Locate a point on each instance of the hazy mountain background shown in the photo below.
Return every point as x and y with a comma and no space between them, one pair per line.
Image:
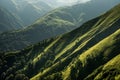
26,11
30,10
8,21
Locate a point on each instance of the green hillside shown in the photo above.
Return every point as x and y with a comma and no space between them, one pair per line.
8,21
56,22
17,40
110,70
90,52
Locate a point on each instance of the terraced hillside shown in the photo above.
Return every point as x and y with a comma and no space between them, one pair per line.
88,52
8,21
54,23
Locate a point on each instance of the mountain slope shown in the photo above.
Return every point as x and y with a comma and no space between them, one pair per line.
54,23
82,12
103,27
8,21
110,70
22,38
83,53
27,12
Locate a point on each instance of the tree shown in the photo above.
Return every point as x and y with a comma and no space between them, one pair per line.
10,77
21,77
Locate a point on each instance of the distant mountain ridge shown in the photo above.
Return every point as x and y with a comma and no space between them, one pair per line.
8,21
26,11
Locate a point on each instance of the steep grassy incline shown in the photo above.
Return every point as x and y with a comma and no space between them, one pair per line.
80,67
54,23
8,21
83,53
110,70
